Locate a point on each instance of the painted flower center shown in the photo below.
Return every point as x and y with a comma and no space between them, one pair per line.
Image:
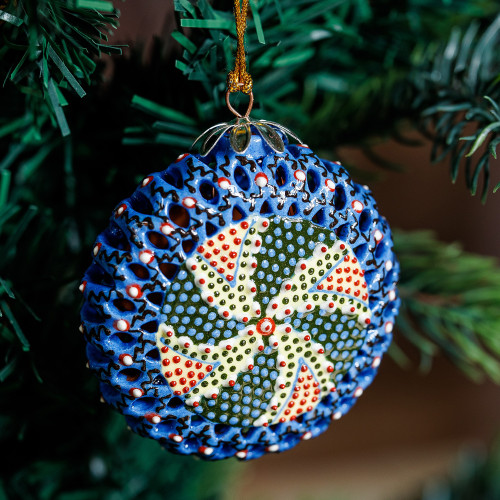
266,326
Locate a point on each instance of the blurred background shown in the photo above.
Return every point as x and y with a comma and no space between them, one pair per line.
420,429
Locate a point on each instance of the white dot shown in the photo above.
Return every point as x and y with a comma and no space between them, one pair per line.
121,325
241,454
273,448
261,180
388,265
307,435
208,450
133,291
137,393
156,419
358,392
357,206
378,235
167,229
388,327
300,176
189,202
96,249
337,415
81,287
376,362
330,184
81,328
127,360
146,256
392,295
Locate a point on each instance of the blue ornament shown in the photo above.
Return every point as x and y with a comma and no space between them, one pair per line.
241,300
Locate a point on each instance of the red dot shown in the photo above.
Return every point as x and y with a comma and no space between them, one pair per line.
226,246
207,350
291,404
230,277
182,381
221,270
209,368
164,349
232,255
303,266
329,369
323,249
320,287
190,374
231,383
225,314
340,280
309,408
200,376
196,404
299,410
303,368
309,307
265,223
176,359
166,362
173,383
282,363
210,299
275,306
214,396
200,249
177,393
339,289
192,383
287,311
250,367
237,241
258,243
244,225
295,395
367,321
288,286
282,386
331,304
185,390
346,258
216,251
178,371
317,391
229,347
221,237
198,365
232,231
245,319
168,374
288,329
230,265
342,246
261,348
210,243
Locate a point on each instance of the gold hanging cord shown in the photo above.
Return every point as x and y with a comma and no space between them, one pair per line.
239,80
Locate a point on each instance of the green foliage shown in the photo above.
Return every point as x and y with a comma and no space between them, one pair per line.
449,90
475,475
449,303
48,49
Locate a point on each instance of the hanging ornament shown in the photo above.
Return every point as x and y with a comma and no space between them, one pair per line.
242,298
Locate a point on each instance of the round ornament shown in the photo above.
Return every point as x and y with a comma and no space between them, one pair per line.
241,300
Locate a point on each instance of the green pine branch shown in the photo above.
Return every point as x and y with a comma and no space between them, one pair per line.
450,303
457,93
49,51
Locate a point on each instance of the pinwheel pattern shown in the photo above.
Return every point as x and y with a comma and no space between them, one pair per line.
260,279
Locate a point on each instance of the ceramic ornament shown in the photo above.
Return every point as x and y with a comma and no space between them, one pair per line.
237,303
242,298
